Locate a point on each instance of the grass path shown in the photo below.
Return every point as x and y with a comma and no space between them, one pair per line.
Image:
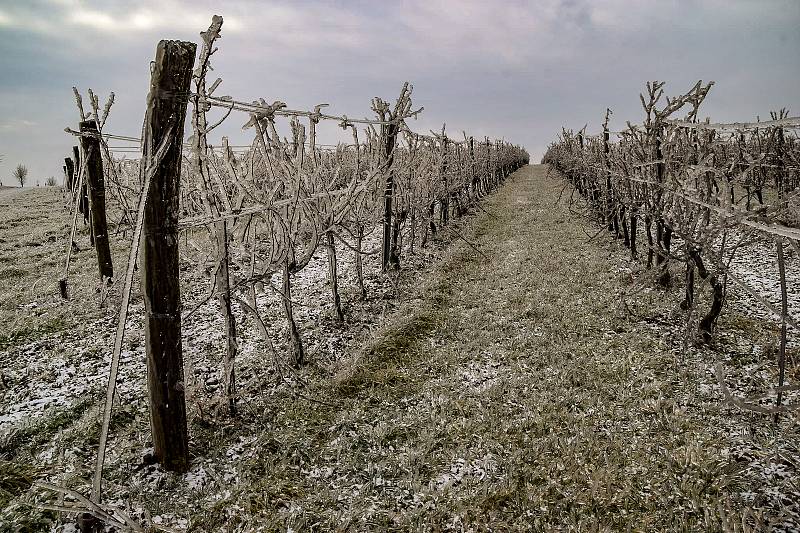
510,393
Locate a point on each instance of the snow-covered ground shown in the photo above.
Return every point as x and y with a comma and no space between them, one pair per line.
59,369
757,266
68,370
62,370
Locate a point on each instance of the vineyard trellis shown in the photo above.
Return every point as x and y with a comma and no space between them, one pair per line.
711,188
247,213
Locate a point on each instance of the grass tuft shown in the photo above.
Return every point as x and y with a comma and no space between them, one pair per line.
383,362
41,430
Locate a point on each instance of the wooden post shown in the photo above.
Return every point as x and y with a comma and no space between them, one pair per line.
582,180
782,175
69,172
97,198
444,202
390,137
488,183
473,170
663,230
613,226
454,195
164,123
784,314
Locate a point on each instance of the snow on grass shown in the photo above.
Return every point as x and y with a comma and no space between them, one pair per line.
488,410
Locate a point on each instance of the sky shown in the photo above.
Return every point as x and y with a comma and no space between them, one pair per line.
507,69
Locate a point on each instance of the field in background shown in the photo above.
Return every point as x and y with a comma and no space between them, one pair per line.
34,231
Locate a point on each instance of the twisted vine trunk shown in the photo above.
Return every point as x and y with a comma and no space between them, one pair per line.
394,249
333,278
663,231
223,289
625,236
688,300
360,262
718,296
666,243
431,225
211,201
296,353
412,230
648,226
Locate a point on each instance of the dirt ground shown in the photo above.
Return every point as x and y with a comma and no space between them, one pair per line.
524,380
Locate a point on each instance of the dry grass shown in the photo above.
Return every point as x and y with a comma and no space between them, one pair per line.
509,391
511,394
34,231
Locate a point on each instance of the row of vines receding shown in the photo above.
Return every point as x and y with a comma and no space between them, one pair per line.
240,215
704,192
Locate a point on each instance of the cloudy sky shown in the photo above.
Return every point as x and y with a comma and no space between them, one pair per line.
512,69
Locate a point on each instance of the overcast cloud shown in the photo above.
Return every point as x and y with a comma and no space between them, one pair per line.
518,70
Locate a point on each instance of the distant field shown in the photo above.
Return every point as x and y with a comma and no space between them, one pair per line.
34,230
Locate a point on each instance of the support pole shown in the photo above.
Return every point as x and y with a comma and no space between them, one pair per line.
390,137
97,198
166,114
69,173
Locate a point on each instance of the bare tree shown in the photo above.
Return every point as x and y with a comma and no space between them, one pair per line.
21,174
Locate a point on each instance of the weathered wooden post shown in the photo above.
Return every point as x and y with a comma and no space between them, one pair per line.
581,178
663,229
69,173
473,169
782,175
498,167
444,202
97,197
412,150
610,209
164,123
454,195
390,131
488,183
784,314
